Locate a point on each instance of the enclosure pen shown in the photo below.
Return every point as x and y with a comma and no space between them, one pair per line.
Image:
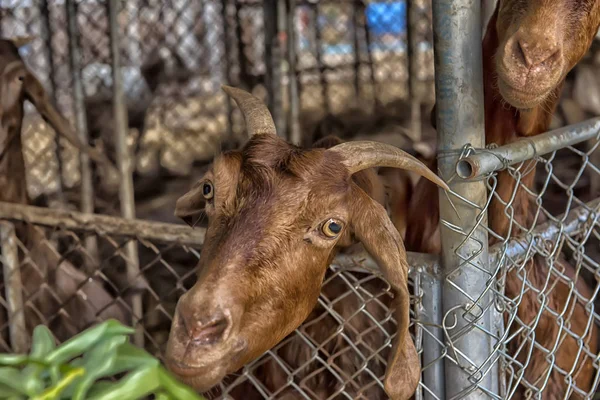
495,315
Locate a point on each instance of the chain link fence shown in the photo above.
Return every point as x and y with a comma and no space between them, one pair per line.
348,62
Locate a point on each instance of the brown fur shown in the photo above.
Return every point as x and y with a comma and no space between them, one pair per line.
528,113
265,255
56,293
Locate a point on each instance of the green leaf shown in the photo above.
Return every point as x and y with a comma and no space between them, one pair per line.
135,385
13,359
8,392
78,344
131,357
11,377
99,362
42,344
177,389
163,396
54,392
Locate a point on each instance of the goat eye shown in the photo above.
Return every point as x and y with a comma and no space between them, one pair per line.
331,228
207,190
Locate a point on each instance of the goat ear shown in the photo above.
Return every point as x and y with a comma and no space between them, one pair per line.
36,94
372,226
190,205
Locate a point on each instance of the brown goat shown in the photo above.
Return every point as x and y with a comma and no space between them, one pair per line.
50,283
277,215
528,49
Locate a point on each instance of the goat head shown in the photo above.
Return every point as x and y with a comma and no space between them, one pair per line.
277,214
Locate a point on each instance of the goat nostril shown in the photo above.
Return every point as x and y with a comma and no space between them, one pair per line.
210,332
521,54
533,54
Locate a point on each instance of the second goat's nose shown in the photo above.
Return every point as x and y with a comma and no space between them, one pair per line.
537,52
208,330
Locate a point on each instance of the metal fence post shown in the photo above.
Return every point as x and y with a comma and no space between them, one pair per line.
87,187
126,166
470,369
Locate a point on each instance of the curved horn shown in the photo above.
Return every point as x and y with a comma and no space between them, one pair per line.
256,114
361,155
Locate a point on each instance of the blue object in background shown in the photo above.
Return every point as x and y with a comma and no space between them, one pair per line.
387,18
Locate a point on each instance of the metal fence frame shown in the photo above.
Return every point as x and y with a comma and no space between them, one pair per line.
457,319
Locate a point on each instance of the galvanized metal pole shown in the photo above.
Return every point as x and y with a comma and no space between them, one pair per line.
125,163
491,160
431,318
469,369
87,189
13,286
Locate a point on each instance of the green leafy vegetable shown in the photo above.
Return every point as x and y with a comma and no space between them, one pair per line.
85,368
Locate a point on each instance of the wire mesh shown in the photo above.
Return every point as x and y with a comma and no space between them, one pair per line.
352,324
543,281
349,56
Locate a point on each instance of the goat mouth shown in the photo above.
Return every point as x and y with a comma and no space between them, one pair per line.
184,370
519,98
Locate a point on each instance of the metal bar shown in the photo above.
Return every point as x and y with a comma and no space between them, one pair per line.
321,68
370,61
490,160
295,132
594,147
356,40
270,27
45,14
159,232
414,98
279,62
470,371
19,339
87,188
227,62
548,231
125,166
242,59
433,349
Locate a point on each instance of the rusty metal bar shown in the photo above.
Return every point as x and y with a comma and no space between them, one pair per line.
87,188
294,112
125,164
159,232
490,160
19,339
227,61
471,370
321,68
414,98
